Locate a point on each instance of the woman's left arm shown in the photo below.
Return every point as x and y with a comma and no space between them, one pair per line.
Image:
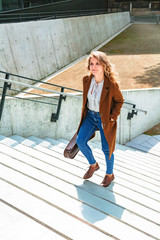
117,103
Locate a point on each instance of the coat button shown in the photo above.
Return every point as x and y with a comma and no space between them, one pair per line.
104,124
101,114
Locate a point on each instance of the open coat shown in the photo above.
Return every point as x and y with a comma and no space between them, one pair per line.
110,105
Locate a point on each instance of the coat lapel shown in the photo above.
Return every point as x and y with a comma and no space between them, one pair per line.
104,90
87,83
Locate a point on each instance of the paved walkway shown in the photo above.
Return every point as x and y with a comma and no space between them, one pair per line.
150,144
135,54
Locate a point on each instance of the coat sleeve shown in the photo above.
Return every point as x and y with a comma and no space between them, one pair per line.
117,102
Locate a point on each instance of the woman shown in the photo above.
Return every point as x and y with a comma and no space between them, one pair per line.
102,102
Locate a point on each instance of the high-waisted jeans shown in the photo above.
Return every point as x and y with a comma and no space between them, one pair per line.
90,124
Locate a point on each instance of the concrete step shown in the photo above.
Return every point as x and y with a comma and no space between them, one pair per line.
39,183
146,143
122,164
59,150
15,225
126,177
123,177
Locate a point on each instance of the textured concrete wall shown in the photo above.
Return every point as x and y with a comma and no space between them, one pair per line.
38,49
145,99
28,118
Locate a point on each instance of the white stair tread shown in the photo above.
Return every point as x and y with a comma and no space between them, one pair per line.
71,179
15,225
70,190
154,191
70,205
38,183
22,150
46,213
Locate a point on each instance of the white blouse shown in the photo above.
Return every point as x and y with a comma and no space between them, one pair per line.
94,95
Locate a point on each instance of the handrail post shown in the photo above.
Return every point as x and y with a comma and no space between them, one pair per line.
157,19
20,18
130,115
55,116
5,86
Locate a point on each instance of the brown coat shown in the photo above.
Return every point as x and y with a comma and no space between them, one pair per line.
110,105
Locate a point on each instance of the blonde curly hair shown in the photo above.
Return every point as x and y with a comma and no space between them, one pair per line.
108,67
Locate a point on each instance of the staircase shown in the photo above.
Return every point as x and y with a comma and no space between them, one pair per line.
44,197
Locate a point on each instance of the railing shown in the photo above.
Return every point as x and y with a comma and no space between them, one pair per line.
21,17
22,4
140,4
146,19
133,110
129,5
157,19
62,95
118,6
7,87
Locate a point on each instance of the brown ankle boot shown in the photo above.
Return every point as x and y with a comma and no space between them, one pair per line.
91,170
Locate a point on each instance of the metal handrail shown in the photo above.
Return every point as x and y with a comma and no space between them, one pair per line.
64,94
31,100
37,6
37,81
7,85
49,15
39,88
61,94
134,108
29,93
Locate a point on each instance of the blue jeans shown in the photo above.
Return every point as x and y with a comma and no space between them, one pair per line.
90,124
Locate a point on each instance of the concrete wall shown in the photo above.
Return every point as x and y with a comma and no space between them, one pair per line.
27,118
38,49
145,99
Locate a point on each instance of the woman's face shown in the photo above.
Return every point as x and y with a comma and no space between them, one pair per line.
95,67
